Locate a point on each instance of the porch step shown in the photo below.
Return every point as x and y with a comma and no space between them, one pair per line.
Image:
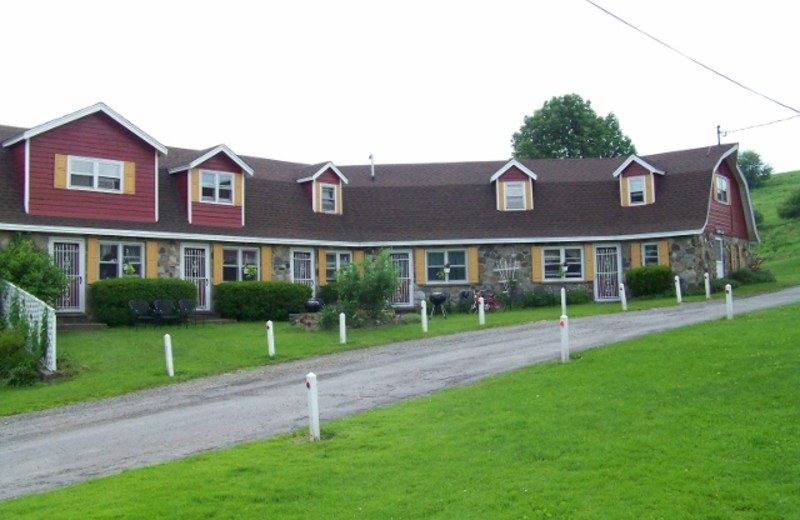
66,322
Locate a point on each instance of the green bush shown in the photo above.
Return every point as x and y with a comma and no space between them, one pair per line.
368,285
17,364
253,301
718,284
790,207
329,316
329,293
649,280
109,298
746,276
25,265
578,296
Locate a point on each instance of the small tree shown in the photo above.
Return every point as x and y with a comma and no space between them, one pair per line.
368,285
753,169
790,207
29,267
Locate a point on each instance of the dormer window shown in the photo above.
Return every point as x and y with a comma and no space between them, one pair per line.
216,187
722,189
636,190
328,198
514,196
95,174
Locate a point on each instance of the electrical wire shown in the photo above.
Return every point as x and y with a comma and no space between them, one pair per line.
606,11
724,133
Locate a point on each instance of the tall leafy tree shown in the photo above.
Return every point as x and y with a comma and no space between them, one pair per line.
567,127
26,265
754,170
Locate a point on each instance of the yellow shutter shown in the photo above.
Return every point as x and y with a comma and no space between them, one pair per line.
358,255
649,194
472,265
217,263
501,196
588,262
663,252
317,196
623,191
129,178
238,188
194,184
266,263
731,252
536,264
323,279
529,195
339,199
92,261
419,266
60,173
151,254
636,254
741,257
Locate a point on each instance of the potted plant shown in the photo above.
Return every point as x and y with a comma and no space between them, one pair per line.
249,272
446,269
128,270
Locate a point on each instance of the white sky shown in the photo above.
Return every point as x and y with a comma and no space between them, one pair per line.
410,81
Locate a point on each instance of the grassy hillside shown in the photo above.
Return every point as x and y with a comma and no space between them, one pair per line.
780,239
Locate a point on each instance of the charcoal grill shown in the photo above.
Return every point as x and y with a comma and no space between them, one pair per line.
438,299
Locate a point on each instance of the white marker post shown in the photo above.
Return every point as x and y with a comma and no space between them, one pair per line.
313,406
270,340
707,281
563,301
678,288
424,313
564,324
623,297
481,312
342,329
729,300
168,354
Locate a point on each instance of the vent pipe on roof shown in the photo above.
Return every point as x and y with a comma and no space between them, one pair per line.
372,167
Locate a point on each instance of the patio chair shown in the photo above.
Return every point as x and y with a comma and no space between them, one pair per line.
165,312
187,310
140,312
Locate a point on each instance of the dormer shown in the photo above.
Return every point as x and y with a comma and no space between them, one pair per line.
324,188
212,187
514,187
637,185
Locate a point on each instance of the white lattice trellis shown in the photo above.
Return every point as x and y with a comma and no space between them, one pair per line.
35,310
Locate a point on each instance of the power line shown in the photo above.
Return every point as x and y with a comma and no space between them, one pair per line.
694,60
726,132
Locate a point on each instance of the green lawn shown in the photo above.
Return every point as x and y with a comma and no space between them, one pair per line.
700,422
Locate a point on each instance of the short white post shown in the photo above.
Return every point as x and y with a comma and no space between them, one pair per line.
481,312
270,340
678,288
707,281
342,329
729,300
564,324
168,354
563,300
313,406
424,313
623,297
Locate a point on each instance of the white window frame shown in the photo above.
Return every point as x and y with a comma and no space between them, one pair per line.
722,189
95,174
323,200
296,276
549,254
240,264
213,180
647,259
636,189
514,202
339,260
121,259
431,268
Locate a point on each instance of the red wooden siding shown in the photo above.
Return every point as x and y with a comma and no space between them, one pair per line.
513,175
728,217
181,183
96,136
328,177
19,162
220,163
635,169
204,214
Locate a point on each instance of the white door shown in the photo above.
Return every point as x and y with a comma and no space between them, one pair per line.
69,255
403,294
195,268
606,273
719,257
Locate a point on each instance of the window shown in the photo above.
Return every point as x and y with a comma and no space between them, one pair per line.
514,193
722,189
239,264
94,174
303,268
439,261
333,262
650,254
328,198
118,259
636,190
216,187
563,263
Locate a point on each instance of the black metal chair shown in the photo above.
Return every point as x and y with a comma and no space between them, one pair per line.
140,312
187,310
165,312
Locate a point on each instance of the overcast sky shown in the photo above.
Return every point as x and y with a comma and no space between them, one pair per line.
409,81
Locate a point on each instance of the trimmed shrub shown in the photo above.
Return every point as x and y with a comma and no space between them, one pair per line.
253,301
746,276
17,364
649,280
578,296
329,293
110,297
718,284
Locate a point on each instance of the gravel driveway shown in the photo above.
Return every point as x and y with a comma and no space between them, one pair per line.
46,450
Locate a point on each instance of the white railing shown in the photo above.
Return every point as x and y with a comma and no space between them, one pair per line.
34,310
